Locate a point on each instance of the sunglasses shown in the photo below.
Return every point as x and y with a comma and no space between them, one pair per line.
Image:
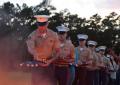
91,45
41,23
102,50
81,39
61,33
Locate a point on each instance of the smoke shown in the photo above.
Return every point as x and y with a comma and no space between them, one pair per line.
15,78
13,51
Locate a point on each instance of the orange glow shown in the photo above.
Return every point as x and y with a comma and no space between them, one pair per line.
15,78
42,28
41,19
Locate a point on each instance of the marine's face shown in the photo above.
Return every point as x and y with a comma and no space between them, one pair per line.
102,52
91,46
62,36
82,42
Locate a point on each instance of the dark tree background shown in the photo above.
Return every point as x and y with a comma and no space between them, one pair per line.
17,22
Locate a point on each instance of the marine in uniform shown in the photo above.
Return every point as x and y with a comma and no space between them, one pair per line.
43,44
64,71
104,66
112,68
83,59
93,72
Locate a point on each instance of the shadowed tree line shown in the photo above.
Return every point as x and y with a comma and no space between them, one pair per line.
17,22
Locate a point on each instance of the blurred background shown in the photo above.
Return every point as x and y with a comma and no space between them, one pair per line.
99,19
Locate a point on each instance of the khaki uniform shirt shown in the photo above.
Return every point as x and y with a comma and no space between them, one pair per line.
95,61
66,54
43,48
84,55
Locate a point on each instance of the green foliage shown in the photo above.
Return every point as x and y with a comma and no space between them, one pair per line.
18,20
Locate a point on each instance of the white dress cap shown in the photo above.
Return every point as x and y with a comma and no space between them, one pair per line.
42,18
102,47
82,36
62,29
90,42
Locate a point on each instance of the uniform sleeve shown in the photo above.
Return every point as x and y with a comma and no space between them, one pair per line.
31,43
56,46
99,58
72,52
90,56
76,55
107,62
89,59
